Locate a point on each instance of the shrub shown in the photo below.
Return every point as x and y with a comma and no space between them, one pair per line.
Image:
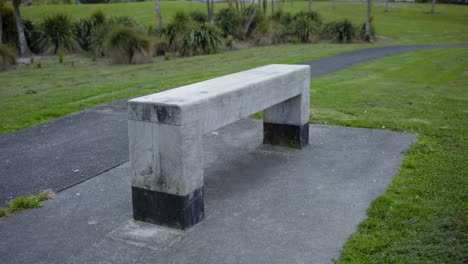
85,28
203,39
305,24
226,20
100,32
161,46
10,32
270,32
284,18
198,16
8,55
56,33
31,33
181,23
126,44
343,31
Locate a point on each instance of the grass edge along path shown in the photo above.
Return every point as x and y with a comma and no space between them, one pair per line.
23,203
421,218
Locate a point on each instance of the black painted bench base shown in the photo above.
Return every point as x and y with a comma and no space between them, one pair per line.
166,209
286,135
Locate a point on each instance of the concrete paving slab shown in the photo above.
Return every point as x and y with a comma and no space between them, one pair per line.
263,204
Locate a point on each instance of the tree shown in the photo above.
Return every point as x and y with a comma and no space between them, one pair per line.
368,34
433,7
157,9
1,25
23,44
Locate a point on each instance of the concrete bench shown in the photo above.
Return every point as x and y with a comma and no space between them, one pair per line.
165,131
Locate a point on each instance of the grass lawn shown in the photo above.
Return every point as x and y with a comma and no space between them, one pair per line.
406,23
422,216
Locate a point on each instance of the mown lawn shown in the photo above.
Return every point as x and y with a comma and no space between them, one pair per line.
422,217
406,23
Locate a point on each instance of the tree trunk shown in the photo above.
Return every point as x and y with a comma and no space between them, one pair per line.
1,25
433,7
209,6
23,45
252,16
310,5
157,9
265,6
272,7
237,6
368,21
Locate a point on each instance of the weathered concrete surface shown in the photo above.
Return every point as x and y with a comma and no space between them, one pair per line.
166,128
263,204
223,100
95,140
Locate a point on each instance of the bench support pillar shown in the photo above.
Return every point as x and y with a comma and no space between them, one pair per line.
287,123
166,164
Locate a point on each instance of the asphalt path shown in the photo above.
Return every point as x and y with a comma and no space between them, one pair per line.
69,150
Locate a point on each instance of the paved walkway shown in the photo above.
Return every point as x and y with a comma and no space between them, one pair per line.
263,204
66,151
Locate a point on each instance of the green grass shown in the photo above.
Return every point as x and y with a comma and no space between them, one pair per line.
22,203
404,24
422,216
31,95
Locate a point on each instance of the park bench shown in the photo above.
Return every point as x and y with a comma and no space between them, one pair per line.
165,134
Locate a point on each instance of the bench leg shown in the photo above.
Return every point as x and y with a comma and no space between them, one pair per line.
287,123
166,164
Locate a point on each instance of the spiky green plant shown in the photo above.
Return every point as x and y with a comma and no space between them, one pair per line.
343,31
180,24
56,33
100,32
226,20
203,39
305,24
124,44
10,32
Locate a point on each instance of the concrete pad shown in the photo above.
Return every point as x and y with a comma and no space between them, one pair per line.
263,204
